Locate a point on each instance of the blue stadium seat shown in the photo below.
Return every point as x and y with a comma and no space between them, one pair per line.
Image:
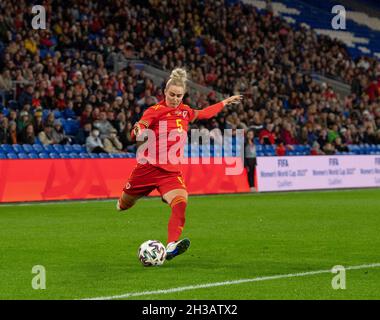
38,148
93,155
53,155
73,155
3,156
43,155
68,148
116,155
84,155
23,155
17,148
58,148
64,155
28,148
104,155
12,155
48,148
33,155
78,148
7,148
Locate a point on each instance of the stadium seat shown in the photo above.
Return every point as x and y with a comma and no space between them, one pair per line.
43,155
33,155
68,148
3,155
104,155
17,148
118,155
23,155
28,148
58,148
78,148
48,148
12,155
38,148
64,155
84,155
73,155
94,155
53,155
6,148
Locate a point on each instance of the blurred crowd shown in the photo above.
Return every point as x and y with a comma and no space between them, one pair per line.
67,72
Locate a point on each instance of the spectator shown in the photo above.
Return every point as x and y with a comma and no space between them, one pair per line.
58,133
103,125
26,96
329,149
4,131
28,136
316,150
266,135
250,159
112,144
340,146
46,136
83,133
94,143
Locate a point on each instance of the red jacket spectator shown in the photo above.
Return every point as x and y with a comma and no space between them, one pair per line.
266,135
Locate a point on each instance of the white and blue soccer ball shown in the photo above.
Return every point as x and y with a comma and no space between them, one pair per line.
152,253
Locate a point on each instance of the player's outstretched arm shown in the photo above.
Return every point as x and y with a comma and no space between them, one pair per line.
213,110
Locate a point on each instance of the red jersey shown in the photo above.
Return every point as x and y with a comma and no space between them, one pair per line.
169,126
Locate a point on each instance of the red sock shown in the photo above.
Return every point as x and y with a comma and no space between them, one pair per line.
177,219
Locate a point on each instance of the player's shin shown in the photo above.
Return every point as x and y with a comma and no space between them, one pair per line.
125,202
177,218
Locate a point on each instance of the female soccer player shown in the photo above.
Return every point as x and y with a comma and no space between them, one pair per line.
164,175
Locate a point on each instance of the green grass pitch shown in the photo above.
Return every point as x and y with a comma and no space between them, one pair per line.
89,250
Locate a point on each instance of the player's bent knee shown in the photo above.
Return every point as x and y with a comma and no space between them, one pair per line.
171,195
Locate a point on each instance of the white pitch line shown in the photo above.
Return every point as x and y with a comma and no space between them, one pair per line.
227,283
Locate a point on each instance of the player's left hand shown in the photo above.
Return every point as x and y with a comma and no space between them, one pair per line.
233,100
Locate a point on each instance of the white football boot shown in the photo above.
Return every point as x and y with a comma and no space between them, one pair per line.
176,248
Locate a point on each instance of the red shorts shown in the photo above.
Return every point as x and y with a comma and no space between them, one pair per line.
146,177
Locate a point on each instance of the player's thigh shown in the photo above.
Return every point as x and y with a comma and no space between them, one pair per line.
169,196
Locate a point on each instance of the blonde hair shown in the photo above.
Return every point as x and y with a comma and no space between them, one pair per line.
178,77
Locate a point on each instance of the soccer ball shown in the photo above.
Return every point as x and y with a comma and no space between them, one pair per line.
152,253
